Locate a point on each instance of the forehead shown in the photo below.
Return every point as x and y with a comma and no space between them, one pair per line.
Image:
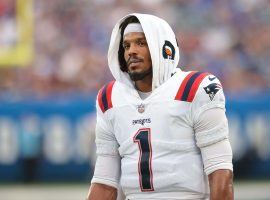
133,36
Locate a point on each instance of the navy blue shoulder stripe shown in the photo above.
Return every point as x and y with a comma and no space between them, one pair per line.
105,97
189,86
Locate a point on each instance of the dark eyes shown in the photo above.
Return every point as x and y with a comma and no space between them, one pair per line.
126,46
139,43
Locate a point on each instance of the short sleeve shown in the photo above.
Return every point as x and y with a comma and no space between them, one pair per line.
107,168
208,113
209,95
105,139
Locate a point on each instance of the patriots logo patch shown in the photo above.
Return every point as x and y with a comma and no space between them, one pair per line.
212,89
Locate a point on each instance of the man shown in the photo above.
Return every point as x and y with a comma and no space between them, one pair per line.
161,133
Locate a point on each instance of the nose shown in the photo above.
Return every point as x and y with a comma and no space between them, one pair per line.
133,50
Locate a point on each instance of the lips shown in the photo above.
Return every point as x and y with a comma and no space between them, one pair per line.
134,61
133,65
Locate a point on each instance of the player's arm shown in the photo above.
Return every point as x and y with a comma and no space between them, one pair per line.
221,184
212,138
211,132
99,191
105,180
106,176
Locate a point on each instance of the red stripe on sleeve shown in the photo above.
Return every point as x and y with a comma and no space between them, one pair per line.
195,86
109,94
182,86
100,99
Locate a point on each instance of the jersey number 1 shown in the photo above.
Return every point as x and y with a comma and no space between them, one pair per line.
143,139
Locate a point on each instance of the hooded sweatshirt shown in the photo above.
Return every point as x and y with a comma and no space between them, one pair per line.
159,36
152,146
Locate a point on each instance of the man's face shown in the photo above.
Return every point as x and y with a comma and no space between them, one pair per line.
137,56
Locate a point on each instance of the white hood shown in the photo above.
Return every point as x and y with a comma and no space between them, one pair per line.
156,31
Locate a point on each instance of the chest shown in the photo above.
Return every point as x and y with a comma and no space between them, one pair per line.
165,119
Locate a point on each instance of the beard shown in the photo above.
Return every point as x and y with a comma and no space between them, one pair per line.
137,76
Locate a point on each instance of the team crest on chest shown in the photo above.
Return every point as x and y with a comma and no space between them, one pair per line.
141,108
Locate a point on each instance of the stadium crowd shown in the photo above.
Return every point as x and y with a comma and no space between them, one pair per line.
227,38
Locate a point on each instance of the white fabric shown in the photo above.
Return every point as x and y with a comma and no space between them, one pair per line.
178,166
144,95
208,115
172,141
217,156
167,196
133,28
202,101
156,31
211,127
173,127
107,171
211,130
105,138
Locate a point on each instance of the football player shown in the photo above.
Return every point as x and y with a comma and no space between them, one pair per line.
161,133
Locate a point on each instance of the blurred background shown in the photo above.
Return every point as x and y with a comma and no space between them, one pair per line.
53,61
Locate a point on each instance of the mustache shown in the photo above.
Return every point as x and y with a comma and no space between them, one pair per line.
133,59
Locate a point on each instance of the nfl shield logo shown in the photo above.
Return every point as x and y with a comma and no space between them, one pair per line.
141,108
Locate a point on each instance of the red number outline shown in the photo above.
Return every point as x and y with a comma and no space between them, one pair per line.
148,130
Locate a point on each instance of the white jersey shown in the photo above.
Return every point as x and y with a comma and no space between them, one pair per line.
155,137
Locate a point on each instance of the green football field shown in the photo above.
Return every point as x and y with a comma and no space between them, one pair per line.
243,190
